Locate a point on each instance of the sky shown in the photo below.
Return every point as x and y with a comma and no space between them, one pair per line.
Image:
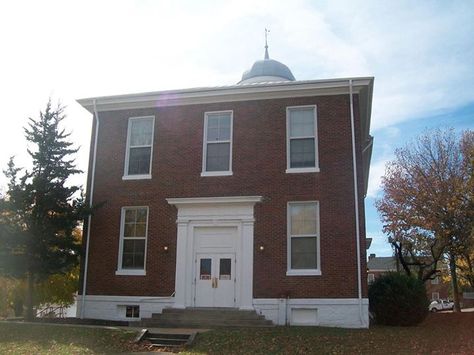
420,53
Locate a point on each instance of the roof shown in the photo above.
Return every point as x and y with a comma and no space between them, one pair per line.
382,263
267,68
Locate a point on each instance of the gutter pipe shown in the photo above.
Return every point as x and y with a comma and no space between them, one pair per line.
89,218
356,208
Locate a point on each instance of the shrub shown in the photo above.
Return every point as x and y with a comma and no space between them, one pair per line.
397,299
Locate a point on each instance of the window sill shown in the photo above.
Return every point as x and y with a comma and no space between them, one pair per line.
302,170
216,173
131,272
303,273
136,177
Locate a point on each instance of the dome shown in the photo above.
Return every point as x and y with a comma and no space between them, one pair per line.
267,70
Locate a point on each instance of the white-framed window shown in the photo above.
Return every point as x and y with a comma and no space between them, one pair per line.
132,311
435,281
303,238
370,278
133,237
301,139
435,296
138,156
217,144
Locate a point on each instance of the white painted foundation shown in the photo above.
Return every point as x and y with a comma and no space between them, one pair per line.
113,307
328,312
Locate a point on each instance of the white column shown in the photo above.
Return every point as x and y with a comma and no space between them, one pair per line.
180,278
246,265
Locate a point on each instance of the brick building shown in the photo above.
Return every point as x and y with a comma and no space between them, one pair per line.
248,196
378,265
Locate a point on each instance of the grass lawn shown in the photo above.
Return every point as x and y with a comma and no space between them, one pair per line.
17,338
442,333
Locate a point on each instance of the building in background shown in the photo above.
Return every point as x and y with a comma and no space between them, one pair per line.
378,265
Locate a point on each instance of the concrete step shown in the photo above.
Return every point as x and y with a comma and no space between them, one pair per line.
182,316
212,323
206,317
167,339
204,310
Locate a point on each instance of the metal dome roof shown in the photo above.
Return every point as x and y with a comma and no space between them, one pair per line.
267,70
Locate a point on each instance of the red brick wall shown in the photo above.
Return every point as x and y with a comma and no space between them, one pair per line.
259,163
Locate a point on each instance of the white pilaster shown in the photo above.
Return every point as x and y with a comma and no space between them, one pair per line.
246,265
180,278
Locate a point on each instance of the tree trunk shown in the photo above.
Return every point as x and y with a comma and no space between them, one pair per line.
454,280
29,297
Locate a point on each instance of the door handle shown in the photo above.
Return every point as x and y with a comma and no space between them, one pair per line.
214,282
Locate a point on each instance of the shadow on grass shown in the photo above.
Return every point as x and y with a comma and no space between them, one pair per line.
20,338
440,334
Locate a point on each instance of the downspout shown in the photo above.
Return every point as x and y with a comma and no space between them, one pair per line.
356,207
89,218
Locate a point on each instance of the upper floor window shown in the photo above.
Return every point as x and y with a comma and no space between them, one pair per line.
133,236
302,142
370,278
139,148
217,144
303,238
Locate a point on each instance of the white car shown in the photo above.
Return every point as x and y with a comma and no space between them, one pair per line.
441,305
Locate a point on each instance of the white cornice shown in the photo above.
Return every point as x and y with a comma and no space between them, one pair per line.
213,200
246,92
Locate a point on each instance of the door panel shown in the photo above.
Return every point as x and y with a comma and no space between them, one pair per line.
215,280
204,290
224,292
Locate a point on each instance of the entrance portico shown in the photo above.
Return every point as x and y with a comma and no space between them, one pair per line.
214,251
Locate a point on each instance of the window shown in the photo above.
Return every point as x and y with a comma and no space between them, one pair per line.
133,234
435,281
205,269
370,278
217,144
132,311
139,148
303,238
225,267
301,145
435,296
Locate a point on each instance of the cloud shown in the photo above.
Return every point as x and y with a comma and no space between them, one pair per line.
421,54
379,245
377,170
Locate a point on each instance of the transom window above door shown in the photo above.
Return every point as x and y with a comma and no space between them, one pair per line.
217,144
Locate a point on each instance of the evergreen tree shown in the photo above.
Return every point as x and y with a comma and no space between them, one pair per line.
40,211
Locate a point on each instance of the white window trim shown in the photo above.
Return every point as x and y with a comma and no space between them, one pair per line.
204,145
131,272
435,281
126,176
289,169
302,272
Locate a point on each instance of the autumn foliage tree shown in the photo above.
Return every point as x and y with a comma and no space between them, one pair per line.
40,209
427,203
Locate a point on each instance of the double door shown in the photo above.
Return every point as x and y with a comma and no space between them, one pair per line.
215,280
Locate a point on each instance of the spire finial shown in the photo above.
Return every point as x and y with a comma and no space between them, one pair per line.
266,44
